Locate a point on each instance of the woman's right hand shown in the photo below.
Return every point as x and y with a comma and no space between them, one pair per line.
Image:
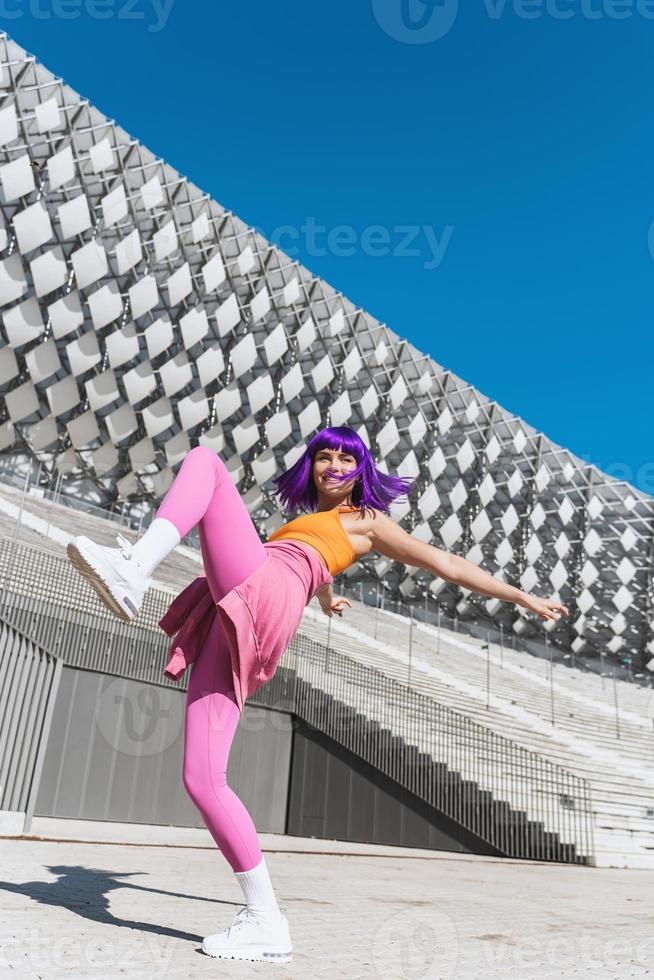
335,605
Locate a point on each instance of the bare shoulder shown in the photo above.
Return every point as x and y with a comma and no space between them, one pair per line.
390,539
382,524
367,520
374,519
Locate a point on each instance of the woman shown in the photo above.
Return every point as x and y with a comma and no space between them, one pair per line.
235,621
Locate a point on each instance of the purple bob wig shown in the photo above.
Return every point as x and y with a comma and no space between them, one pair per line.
296,488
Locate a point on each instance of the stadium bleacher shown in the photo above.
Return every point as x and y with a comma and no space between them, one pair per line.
451,668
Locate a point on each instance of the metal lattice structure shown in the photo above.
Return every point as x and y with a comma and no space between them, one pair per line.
139,318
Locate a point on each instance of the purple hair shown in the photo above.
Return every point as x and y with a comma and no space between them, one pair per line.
296,489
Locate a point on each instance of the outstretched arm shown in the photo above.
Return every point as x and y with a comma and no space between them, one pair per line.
393,541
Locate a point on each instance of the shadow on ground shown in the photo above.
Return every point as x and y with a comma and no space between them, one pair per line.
85,891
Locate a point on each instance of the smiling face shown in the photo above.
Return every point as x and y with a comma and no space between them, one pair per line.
329,463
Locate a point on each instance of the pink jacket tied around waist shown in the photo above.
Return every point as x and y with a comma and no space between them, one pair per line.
259,616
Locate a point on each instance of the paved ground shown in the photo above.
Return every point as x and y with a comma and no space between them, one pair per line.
109,910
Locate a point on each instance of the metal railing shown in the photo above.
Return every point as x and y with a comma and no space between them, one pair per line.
42,595
429,612
425,609
607,716
519,802
30,486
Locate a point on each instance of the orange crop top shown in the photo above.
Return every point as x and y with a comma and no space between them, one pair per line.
324,531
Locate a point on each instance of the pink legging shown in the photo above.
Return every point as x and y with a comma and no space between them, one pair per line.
204,493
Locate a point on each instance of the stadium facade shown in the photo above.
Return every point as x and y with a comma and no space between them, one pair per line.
139,318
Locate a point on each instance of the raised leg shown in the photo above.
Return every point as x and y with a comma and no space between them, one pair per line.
204,493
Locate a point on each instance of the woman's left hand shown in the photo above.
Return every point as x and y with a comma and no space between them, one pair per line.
545,608
335,606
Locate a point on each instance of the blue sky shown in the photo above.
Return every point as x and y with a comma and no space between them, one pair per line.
492,165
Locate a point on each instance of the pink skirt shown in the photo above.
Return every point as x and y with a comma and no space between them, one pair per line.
262,614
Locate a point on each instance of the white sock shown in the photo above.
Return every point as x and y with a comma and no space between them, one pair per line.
157,542
258,891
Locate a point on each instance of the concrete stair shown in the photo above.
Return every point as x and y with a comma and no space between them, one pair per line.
620,772
518,827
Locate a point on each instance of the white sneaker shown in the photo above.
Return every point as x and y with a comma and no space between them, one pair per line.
250,937
114,573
